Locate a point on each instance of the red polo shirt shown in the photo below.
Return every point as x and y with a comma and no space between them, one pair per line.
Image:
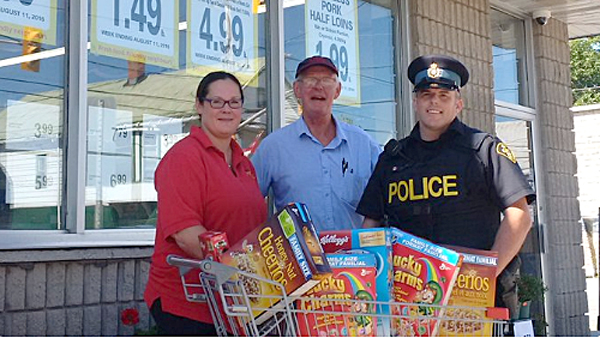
195,186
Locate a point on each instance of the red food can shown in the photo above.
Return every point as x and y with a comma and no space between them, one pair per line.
213,244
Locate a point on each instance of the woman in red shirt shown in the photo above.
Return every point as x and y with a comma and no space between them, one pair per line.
204,182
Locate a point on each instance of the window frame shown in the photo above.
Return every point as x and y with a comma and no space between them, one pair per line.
72,204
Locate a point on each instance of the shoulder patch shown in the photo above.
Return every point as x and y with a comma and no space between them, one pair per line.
503,150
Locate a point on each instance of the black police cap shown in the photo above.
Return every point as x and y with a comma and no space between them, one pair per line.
437,71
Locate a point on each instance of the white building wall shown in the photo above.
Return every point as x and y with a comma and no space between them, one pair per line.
587,145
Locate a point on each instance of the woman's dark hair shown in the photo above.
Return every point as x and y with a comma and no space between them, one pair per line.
212,77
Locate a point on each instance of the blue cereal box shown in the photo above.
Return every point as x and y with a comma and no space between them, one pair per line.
346,297
376,241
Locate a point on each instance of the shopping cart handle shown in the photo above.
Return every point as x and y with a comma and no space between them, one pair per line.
221,271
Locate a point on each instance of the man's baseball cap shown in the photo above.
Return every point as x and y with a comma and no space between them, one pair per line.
437,71
316,61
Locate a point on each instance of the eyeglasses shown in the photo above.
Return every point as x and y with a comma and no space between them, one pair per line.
327,82
218,103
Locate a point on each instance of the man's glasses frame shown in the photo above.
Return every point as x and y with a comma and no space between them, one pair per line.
327,82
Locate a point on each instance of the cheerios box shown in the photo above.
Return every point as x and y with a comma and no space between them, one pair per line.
285,250
475,287
350,289
376,241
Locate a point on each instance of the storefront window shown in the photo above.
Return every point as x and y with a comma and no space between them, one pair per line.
145,62
359,37
510,62
32,88
517,134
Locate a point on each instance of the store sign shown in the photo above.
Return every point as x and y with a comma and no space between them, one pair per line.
137,30
34,178
32,126
222,35
110,146
15,15
332,31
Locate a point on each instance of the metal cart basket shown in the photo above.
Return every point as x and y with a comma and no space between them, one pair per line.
228,292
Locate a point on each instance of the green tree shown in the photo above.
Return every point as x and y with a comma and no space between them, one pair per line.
585,70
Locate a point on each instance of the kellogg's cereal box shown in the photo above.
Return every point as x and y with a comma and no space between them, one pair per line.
475,287
376,241
348,289
424,273
277,250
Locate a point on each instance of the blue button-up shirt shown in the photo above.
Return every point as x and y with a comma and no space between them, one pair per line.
329,179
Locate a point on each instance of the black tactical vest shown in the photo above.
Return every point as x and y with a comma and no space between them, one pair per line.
443,192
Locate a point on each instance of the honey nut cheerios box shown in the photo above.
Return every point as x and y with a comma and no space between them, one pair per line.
284,249
424,275
475,287
350,289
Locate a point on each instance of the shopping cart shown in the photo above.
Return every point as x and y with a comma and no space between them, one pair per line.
226,291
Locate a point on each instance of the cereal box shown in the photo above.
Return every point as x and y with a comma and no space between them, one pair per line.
475,287
278,251
424,273
376,241
348,289
213,244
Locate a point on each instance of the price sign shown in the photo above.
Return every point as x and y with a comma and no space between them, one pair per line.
42,179
34,178
332,31
222,35
32,126
109,131
111,176
137,30
15,15
168,140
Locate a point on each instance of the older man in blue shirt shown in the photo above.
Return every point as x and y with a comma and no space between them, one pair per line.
318,160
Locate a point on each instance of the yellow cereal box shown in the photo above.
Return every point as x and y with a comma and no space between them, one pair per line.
284,249
475,287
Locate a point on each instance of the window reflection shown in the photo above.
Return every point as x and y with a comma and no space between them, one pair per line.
360,40
32,85
141,100
509,59
516,134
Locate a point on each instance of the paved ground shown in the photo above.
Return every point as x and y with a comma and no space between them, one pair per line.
593,285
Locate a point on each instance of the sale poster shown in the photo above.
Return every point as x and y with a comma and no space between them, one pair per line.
332,31
137,30
222,35
16,15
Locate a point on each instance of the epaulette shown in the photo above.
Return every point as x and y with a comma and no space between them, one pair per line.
475,140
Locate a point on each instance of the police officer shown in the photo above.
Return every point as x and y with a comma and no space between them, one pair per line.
448,182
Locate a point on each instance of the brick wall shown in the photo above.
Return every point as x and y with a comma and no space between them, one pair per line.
564,251
460,29
72,292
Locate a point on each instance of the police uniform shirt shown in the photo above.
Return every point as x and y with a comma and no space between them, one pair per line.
450,191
